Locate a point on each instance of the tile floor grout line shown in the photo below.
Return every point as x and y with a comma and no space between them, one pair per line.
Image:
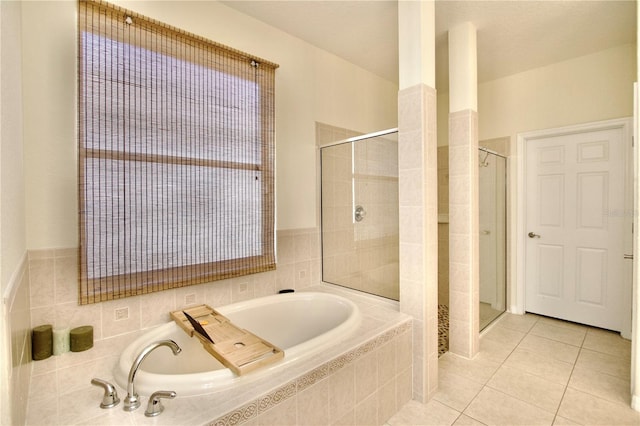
597,350
573,367
484,385
522,400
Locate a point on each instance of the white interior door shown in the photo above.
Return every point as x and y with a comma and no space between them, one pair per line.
575,203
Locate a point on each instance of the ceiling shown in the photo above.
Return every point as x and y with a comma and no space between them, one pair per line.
513,36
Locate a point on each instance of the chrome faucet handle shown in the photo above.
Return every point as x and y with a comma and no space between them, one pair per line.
155,407
110,398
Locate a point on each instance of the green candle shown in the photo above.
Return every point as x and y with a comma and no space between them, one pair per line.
42,342
81,338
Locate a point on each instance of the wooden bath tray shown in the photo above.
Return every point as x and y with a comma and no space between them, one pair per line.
236,348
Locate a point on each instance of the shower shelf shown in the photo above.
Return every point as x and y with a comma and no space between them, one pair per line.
237,349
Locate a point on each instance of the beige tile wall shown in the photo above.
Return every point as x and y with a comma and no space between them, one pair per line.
18,324
53,299
365,386
417,161
54,288
463,234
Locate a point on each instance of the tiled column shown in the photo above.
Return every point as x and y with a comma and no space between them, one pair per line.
463,193
418,186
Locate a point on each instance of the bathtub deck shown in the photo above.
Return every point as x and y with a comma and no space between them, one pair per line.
364,379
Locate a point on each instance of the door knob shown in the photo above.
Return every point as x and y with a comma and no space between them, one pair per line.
533,235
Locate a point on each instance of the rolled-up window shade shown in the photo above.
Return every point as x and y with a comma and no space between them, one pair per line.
176,157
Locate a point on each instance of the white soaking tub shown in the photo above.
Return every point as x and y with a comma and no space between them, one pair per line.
301,324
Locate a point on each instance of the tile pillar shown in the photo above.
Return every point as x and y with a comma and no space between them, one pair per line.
418,186
463,193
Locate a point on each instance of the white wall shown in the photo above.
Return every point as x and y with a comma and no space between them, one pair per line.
311,85
12,202
584,89
12,205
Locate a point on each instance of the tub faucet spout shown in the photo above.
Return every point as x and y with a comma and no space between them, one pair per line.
131,402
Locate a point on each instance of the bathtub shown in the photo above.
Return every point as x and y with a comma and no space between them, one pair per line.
301,324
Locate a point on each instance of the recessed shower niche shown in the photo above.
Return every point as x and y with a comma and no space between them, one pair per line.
359,204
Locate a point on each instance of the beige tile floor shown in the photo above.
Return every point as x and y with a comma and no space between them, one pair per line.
532,370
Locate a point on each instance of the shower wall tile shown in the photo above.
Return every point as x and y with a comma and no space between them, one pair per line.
360,255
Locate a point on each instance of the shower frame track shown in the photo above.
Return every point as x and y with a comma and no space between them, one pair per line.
361,137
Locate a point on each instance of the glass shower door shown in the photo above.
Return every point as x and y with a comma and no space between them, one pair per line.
492,239
360,233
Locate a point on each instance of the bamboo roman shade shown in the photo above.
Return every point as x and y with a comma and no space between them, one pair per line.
176,157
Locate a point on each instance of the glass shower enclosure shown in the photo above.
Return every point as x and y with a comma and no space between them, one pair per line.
359,208
493,235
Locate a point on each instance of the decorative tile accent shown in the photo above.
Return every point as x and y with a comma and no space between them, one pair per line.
276,397
340,362
407,326
381,340
238,416
311,378
365,349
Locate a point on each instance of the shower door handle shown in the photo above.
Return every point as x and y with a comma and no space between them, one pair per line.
533,235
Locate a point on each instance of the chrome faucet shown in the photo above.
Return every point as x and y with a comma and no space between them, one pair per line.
131,401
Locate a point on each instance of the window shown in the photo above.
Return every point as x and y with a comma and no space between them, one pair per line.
176,157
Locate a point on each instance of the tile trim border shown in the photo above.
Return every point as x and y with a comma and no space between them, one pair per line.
269,400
